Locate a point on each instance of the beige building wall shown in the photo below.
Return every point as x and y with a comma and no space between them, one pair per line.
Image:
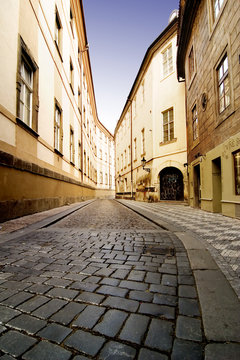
214,172
140,130
38,172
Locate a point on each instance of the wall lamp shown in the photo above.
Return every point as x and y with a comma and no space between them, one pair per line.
143,161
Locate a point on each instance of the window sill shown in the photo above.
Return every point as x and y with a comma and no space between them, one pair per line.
58,152
27,128
59,51
167,142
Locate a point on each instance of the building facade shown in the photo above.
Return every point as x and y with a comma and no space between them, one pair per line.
208,60
49,127
152,128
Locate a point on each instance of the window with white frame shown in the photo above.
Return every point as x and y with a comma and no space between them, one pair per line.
26,94
129,154
71,76
167,58
79,156
71,145
168,125
217,5
191,64
223,84
58,128
195,126
58,33
135,149
142,141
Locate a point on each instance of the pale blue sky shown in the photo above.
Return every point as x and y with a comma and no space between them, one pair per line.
119,33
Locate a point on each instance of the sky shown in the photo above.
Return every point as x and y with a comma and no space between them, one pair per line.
119,33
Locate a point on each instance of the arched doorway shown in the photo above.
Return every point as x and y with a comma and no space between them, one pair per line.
171,184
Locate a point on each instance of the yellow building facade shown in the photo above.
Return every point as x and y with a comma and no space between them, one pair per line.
49,127
208,60
152,128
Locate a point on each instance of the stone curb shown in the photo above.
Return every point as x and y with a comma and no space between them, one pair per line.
49,220
219,304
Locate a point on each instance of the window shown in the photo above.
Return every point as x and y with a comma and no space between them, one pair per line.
236,157
217,7
71,76
84,162
110,180
88,167
167,61
105,156
195,123
79,156
121,161
223,84
27,88
79,101
58,33
143,141
100,154
135,149
106,178
58,128
125,158
71,146
101,177
26,93
72,22
191,65
84,116
129,154
168,125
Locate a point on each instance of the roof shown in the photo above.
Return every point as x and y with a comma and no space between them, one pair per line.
170,28
187,13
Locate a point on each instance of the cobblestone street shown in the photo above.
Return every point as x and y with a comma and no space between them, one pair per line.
105,283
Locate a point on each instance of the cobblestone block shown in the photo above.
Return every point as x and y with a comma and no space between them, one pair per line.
66,294
17,299
188,328
110,281
7,314
46,350
146,354
45,311
141,296
136,275
15,285
67,314
33,303
57,282
85,286
188,350
121,257
104,272
165,300
114,350
92,279
169,280
111,323
163,289
39,289
6,294
2,329
54,332
15,343
27,323
6,357
90,298
188,307
85,342
185,280
120,273
112,290
160,335
89,270
153,278
187,291
134,328
79,357
222,351
89,317
157,310
74,277
121,303
133,285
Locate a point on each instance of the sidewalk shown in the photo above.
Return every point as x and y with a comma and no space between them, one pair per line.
219,234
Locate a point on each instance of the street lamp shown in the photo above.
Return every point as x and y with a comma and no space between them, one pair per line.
143,161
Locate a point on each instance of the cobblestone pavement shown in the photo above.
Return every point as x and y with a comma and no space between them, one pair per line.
103,283
220,234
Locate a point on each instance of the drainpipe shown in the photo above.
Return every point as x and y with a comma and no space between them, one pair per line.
131,160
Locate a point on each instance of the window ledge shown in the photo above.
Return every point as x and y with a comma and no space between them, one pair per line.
168,142
27,128
58,152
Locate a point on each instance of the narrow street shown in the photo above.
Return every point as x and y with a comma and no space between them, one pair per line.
106,283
